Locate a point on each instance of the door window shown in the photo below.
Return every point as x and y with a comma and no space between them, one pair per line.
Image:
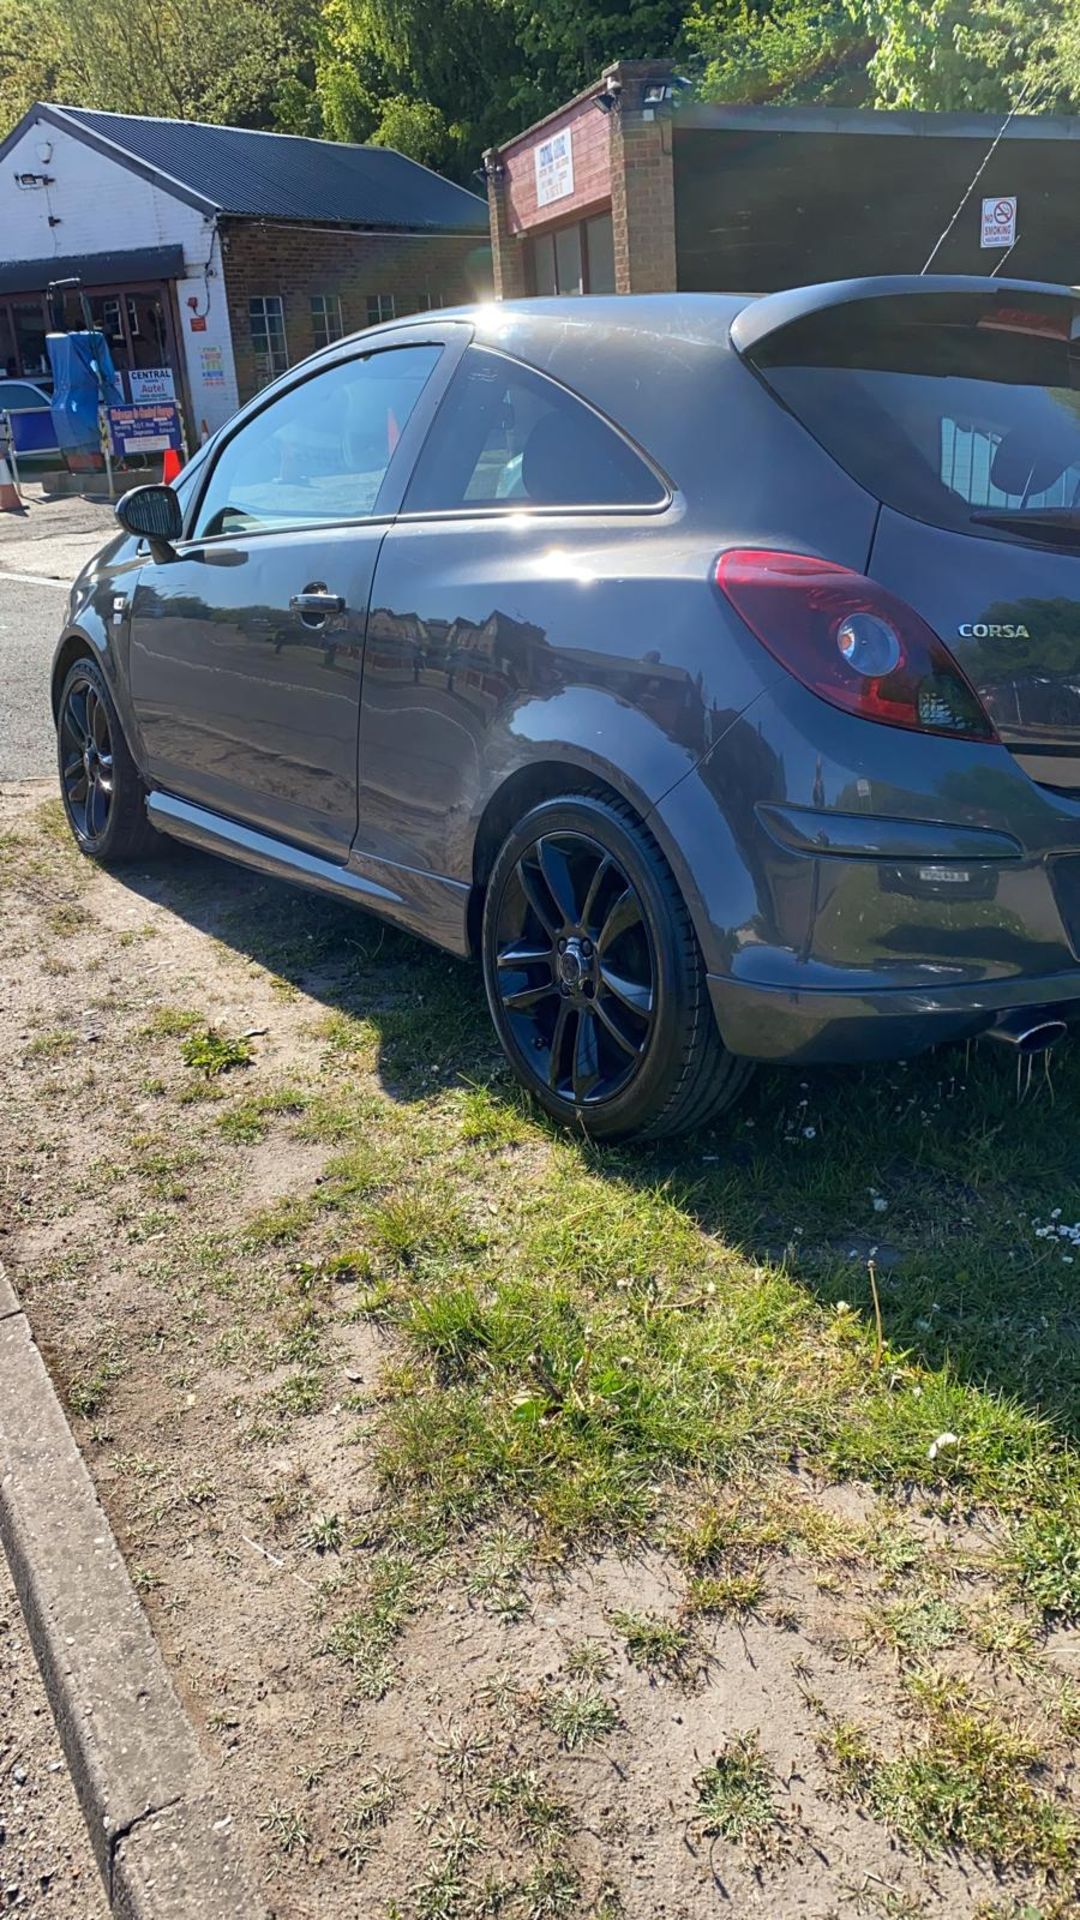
319,452
505,436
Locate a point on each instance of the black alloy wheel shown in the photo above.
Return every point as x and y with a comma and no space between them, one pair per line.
103,792
575,967
594,976
87,765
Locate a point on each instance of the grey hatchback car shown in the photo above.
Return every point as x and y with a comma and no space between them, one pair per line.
709,667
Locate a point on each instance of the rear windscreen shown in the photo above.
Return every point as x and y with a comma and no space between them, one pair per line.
960,410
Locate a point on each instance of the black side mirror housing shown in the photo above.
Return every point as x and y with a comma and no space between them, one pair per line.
153,514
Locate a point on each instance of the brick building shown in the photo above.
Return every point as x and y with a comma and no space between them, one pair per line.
631,188
214,257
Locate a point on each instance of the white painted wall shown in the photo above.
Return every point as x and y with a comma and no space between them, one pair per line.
102,207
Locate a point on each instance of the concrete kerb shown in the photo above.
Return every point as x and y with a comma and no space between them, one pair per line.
166,1847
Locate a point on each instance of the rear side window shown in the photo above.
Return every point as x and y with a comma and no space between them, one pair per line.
961,410
507,437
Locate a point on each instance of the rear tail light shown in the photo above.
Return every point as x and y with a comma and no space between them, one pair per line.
852,642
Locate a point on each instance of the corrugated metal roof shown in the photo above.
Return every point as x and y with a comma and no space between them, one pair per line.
284,177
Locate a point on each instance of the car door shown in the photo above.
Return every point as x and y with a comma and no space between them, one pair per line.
524,504
247,644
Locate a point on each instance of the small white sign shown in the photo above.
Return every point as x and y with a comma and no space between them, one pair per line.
999,221
554,168
151,383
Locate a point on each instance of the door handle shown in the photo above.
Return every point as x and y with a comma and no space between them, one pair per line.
318,603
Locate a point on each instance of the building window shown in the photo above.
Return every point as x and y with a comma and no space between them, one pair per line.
578,258
380,306
268,335
326,318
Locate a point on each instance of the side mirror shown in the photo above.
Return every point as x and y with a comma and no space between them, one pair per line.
153,514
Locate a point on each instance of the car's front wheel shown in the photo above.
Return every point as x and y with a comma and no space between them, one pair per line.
595,979
100,785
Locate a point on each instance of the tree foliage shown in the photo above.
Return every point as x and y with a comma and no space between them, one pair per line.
249,63
442,79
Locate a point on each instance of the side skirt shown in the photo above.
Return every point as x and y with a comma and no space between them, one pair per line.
427,904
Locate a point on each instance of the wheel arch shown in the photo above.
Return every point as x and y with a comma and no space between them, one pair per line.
545,778
75,645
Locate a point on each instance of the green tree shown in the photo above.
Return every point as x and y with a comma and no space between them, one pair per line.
250,63
790,50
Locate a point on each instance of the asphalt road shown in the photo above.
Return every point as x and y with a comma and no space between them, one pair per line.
30,617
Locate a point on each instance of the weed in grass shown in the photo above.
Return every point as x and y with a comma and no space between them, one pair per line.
372,1805
324,1534
55,1044
171,1023
250,1120
283,1221
286,1827
497,1574
66,920
487,1121
577,1715
520,1797
367,1634
726,1596
654,1644
212,1053
440,1893
88,1394
460,1753
966,1780
919,1625
736,1796
1044,1559
588,1660
551,1891
302,1393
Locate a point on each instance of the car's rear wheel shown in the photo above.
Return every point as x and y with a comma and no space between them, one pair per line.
595,978
101,788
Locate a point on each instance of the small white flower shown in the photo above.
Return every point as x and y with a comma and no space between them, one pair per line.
943,1440
809,1133
880,1205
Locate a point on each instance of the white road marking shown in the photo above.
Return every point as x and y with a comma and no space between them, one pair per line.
35,580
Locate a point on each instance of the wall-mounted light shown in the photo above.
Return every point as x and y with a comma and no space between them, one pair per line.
610,99
44,152
29,180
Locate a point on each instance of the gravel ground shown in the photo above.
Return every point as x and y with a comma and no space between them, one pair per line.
46,1866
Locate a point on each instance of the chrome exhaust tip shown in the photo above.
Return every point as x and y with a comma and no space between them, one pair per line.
1027,1033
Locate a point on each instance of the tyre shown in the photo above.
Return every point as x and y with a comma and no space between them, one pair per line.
595,979
100,785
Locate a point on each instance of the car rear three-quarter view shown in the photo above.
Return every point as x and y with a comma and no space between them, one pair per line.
709,668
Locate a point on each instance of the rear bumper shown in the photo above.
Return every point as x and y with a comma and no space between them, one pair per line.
817,1025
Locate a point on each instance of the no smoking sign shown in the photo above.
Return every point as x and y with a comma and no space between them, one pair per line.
999,221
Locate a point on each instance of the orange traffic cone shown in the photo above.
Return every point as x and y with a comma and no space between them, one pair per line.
9,496
170,466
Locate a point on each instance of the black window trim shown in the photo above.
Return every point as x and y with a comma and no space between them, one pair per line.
503,510
452,341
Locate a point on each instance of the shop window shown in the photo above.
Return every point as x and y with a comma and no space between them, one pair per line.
579,258
28,320
326,318
600,254
268,342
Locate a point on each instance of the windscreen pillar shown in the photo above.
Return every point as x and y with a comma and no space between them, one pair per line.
642,176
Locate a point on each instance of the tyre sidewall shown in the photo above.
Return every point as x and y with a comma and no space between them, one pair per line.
127,787
652,1086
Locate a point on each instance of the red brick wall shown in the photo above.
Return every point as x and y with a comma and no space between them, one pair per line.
591,146
296,262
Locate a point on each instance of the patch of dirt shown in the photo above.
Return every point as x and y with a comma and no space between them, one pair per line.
221,1449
